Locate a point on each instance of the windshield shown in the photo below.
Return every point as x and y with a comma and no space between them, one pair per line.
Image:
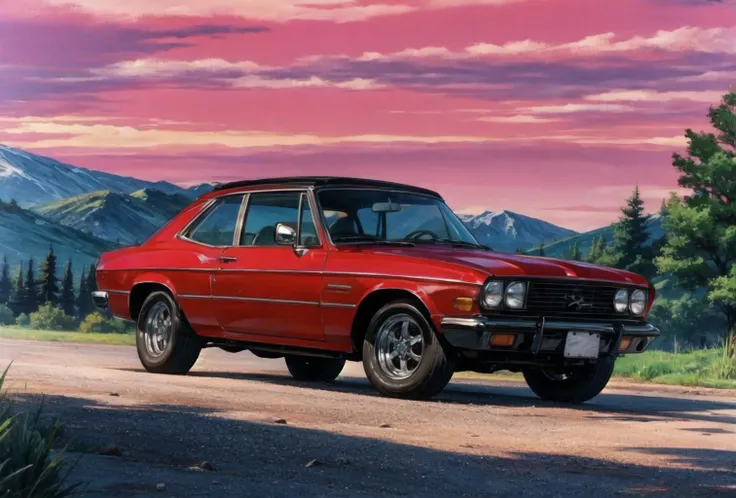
379,215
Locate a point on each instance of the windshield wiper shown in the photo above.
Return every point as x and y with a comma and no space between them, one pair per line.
455,243
363,239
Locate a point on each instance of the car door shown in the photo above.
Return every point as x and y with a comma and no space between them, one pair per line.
262,288
199,247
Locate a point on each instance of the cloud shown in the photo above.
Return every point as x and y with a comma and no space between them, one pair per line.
656,96
729,76
576,108
517,119
684,39
265,10
65,132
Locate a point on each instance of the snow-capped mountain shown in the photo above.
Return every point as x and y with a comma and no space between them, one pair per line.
31,179
506,231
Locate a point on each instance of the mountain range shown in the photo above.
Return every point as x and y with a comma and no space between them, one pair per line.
31,180
82,212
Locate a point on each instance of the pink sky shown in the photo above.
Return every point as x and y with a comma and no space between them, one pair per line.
551,108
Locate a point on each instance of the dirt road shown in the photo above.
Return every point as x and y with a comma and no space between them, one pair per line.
476,439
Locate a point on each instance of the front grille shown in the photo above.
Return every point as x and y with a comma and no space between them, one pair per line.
572,299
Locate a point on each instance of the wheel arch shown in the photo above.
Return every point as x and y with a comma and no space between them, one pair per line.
143,288
374,301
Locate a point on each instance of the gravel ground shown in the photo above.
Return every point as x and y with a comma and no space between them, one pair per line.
258,433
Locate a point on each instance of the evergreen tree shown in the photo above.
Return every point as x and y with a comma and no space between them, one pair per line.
573,252
663,208
630,237
82,297
541,249
91,280
700,247
6,284
18,299
31,294
67,290
48,282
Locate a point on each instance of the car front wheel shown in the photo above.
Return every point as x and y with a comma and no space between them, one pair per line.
573,385
403,356
165,341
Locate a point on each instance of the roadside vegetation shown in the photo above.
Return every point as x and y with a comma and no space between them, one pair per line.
29,466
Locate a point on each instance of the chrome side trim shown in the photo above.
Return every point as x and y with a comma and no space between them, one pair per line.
339,287
268,300
316,272
111,291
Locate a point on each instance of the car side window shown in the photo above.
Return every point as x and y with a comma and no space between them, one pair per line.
267,209
217,226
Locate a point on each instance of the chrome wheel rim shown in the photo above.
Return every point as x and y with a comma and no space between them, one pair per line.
399,346
158,330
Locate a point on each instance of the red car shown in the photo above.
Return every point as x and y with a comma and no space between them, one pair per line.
320,270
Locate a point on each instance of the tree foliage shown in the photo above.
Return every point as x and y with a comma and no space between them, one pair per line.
6,284
48,282
630,249
67,290
701,228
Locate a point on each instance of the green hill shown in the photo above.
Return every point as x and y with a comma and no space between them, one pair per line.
24,234
585,239
114,216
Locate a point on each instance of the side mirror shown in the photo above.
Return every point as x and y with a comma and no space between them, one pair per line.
285,235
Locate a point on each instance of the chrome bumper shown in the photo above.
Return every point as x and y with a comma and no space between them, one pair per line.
100,299
475,333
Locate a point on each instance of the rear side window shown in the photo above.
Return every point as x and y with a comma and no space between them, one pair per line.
217,226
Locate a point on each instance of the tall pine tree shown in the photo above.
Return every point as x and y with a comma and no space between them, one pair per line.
48,282
31,294
67,290
700,248
630,249
6,284
82,297
18,299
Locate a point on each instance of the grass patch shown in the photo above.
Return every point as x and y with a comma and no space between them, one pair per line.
704,367
67,336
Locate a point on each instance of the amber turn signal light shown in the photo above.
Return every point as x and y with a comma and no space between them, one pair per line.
503,340
463,304
625,343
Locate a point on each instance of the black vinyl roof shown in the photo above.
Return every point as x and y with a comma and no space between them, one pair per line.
325,181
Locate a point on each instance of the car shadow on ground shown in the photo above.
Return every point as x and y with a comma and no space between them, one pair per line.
161,443
611,405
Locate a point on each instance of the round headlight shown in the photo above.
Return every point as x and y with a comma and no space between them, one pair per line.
638,302
492,294
515,294
621,301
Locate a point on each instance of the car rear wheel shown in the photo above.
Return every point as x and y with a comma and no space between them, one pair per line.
403,356
165,341
311,369
574,385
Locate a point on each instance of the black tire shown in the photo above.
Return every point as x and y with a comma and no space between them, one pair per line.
581,384
313,369
183,347
432,373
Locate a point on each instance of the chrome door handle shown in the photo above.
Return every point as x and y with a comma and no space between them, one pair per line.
228,259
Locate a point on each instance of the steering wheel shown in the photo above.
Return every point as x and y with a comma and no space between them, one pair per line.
416,234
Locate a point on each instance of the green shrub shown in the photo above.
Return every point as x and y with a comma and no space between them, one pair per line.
6,315
27,467
50,317
96,322
23,321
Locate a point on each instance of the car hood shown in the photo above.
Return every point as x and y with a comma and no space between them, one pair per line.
500,264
